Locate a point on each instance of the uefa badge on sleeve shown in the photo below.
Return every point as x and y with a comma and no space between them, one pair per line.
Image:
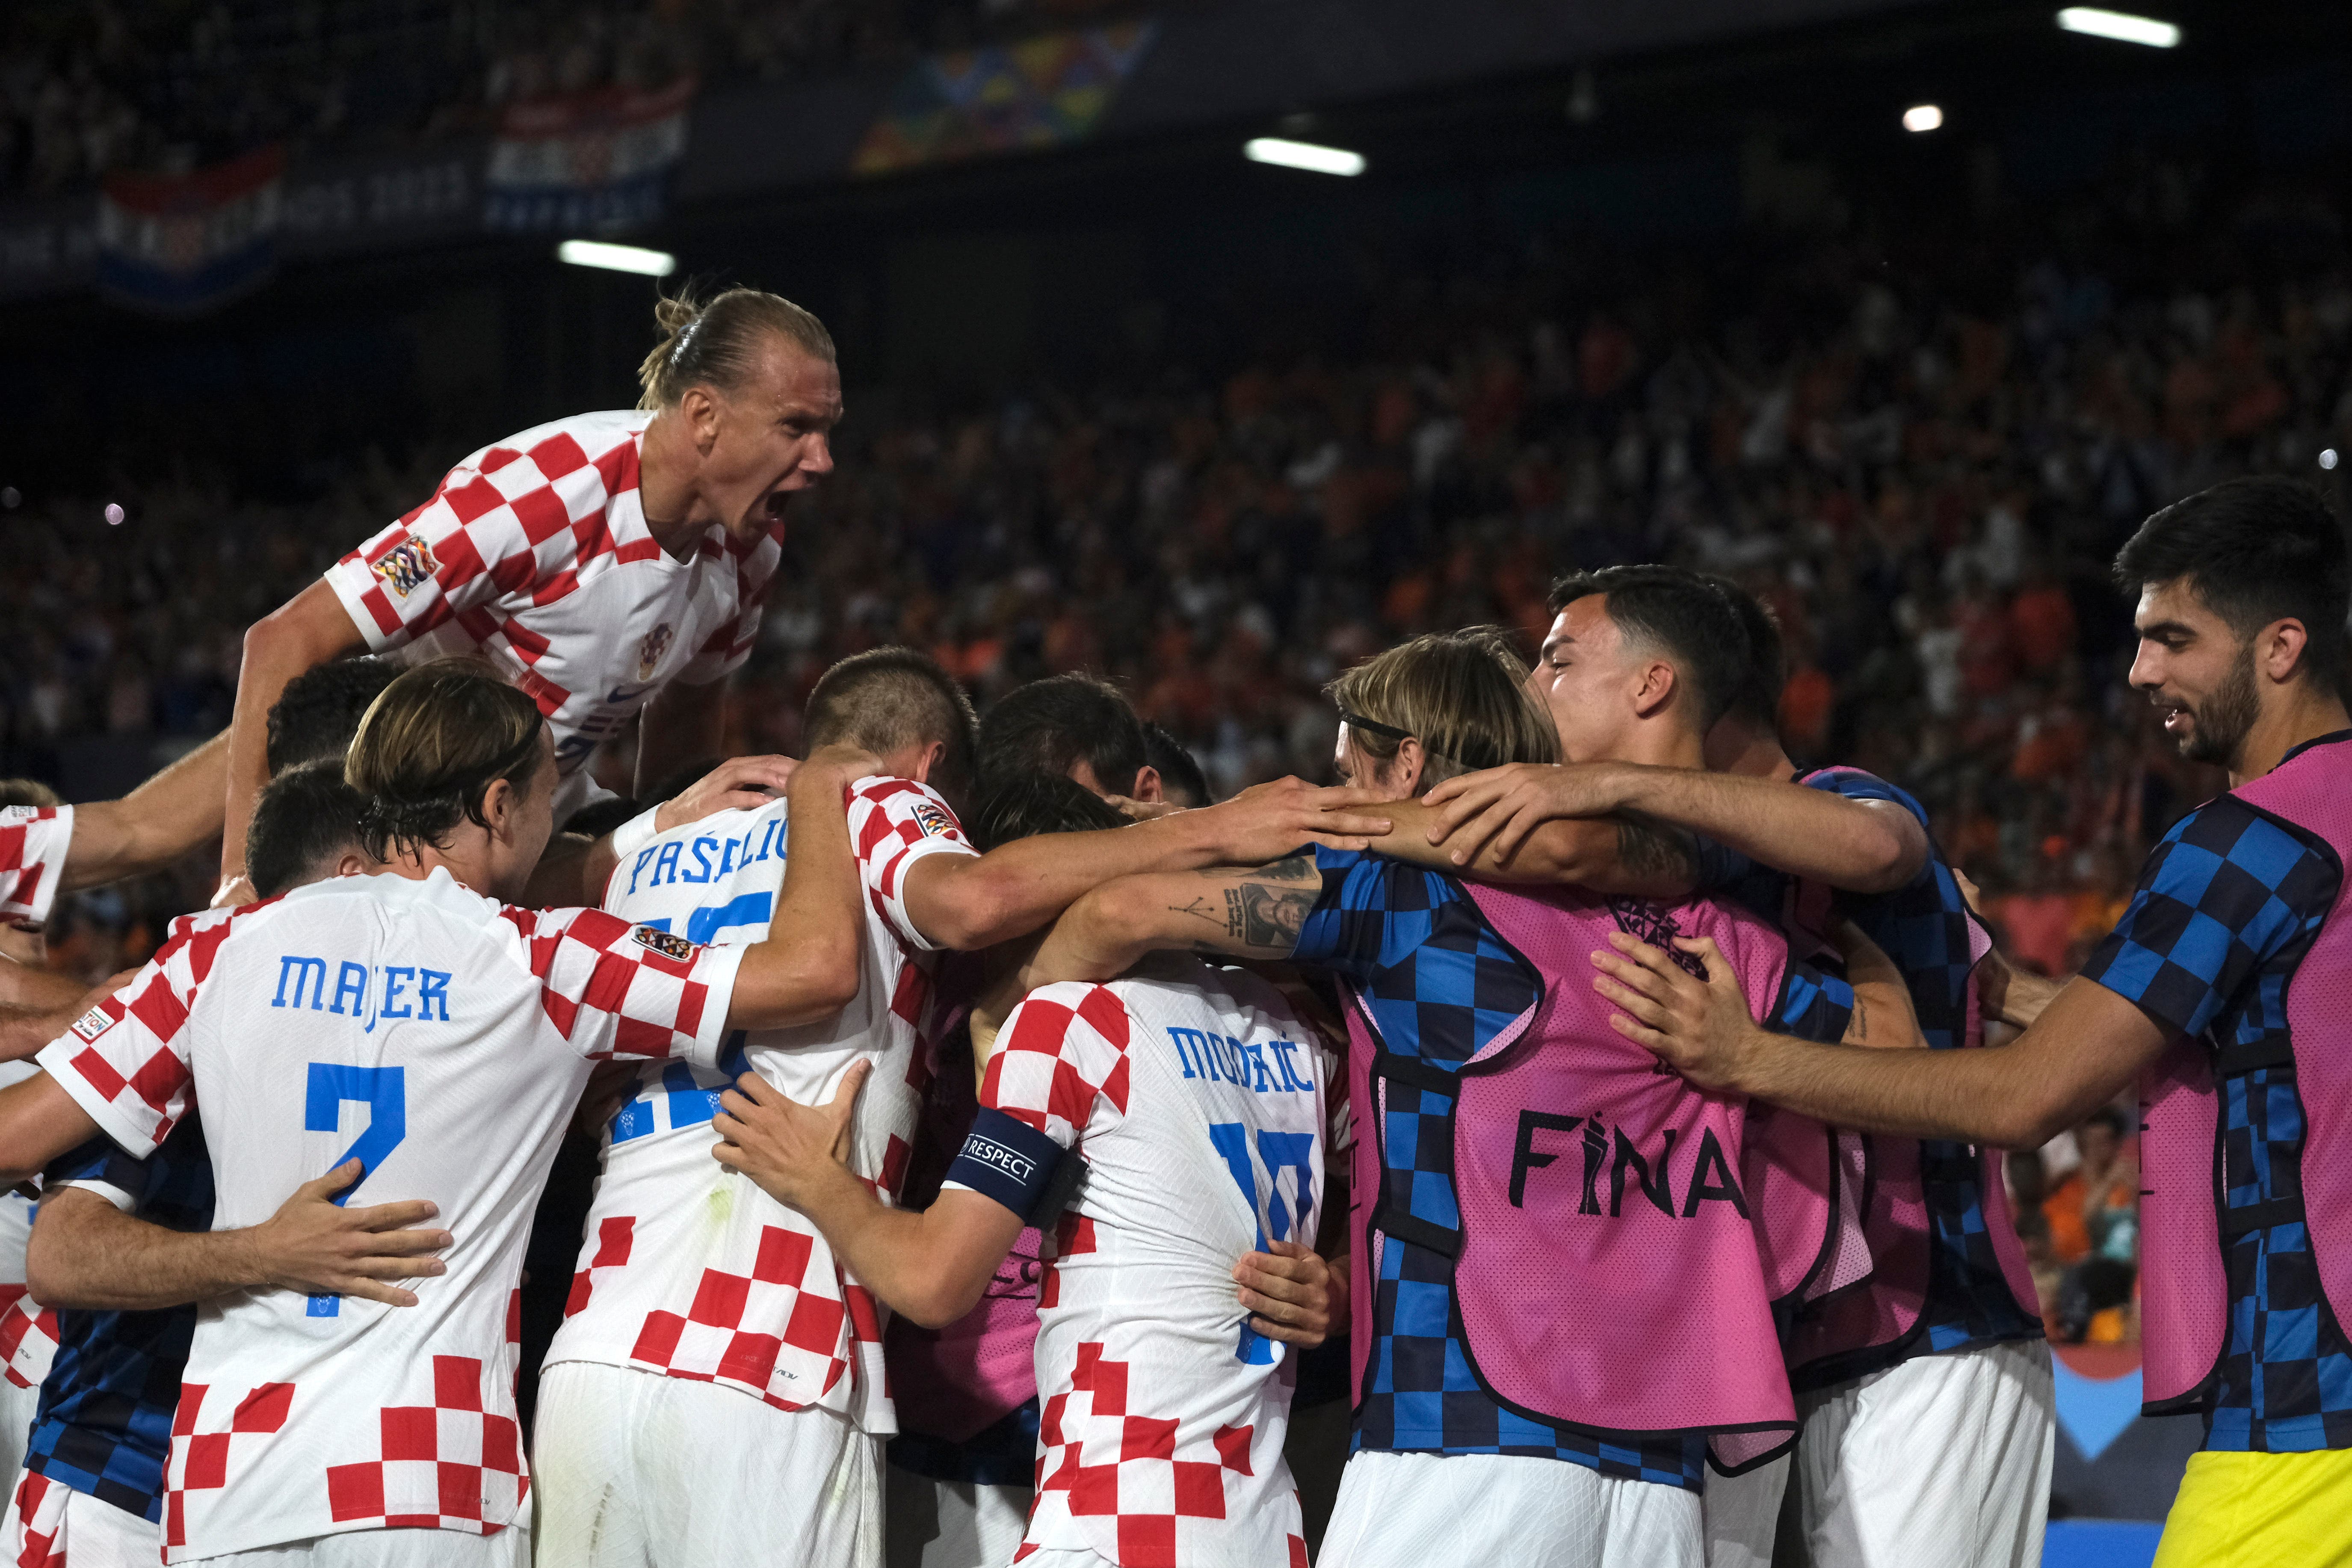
934,823
92,1023
407,566
668,944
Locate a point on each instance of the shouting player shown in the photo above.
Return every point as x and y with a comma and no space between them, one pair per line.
607,564
2217,990
441,1039
1497,1100
751,1324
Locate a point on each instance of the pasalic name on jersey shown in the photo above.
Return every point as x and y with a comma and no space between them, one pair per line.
707,858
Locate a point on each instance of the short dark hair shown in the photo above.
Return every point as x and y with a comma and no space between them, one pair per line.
1050,725
2255,551
1756,700
306,818
320,710
1180,771
1022,805
887,699
1676,613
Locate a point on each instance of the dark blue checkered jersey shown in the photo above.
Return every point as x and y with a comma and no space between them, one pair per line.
1438,984
2227,904
1924,926
104,1425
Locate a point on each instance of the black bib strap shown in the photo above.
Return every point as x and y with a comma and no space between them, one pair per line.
2249,1218
1389,1220
2270,1051
1415,1073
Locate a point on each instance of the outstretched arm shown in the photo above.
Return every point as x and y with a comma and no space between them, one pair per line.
2084,1049
1620,853
1860,845
930,1266
152,826
1225,911
964,901
303,633
87,1253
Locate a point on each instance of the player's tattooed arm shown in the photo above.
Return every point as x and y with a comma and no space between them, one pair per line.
1622,854
1224,911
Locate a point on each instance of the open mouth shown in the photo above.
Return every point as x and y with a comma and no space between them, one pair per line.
773,507
2176,718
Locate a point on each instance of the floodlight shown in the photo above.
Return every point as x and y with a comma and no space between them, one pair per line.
2120,26
617,257
1309,155
1922,116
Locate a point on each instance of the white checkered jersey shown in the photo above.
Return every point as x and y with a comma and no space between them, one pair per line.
1196,1097
535,552
442,1038
688,1269
33,844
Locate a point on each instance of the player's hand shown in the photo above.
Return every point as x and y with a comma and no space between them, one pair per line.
235,893
1701,1029
611,1085
740,783
1268,821
790,1149
313,1247
1505,805
1292,1294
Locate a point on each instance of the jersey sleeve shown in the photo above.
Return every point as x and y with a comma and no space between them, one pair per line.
894,823
125,1061
612,989
501,526
1347,931
1812,1004
1060,1066
102,1167
2224,891
33,840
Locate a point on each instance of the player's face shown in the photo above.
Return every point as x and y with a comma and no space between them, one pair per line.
1585,679
528,825
24,943
2197,670
775,436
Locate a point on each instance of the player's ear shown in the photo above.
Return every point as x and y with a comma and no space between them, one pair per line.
930,758
1653,687
1148,789
499,803
701,408
1409,762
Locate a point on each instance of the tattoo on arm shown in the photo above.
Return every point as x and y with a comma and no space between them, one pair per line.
1264,911
1860,1031
1647,848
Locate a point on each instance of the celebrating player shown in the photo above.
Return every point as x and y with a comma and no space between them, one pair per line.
124,1247
1485,1415
2217,988
665,1304
606,564
1947,1322
440,1037
1182,1089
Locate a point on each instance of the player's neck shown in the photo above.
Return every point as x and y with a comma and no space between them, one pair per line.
1662,743
1746,752
675,514
2304,712
469,871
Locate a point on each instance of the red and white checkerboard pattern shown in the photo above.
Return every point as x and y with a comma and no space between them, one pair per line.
200,1460
33,844
689,1271
1061,1057
28,1337
450,1465
1129,1474
535,552
636,998
35,1521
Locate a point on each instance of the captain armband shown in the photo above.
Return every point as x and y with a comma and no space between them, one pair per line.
1012,1163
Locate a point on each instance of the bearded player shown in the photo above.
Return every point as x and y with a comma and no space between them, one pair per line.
610,565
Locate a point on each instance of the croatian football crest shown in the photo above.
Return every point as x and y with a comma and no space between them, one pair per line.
407,566
650,651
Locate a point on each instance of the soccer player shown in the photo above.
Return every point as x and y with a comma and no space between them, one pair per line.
320,711
46,851
440,1037
687,1280
1942,1341
124,1247
606,564
1075,725
1182,782
1483,1429
2218,990
1195,1100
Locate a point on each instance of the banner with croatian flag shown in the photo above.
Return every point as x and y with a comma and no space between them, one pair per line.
179,244
588,163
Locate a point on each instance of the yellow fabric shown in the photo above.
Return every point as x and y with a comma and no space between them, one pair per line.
2262,1510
